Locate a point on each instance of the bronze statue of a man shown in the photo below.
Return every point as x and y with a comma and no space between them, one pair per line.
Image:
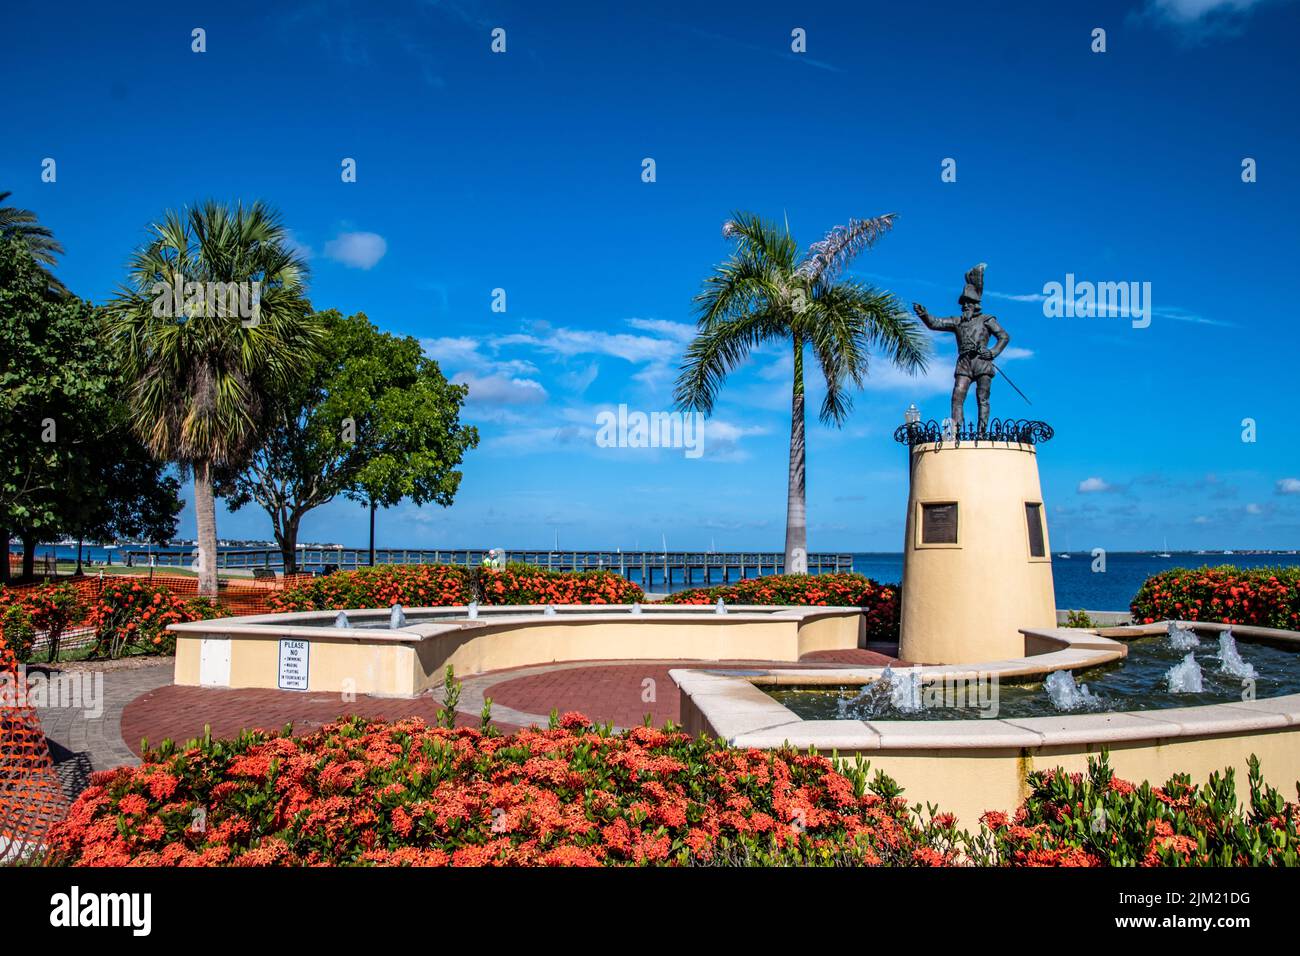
974,357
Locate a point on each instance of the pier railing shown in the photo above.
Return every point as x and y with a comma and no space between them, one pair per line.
647,568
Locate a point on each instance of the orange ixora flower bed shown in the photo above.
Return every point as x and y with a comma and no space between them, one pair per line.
1266,597
362,792
369,792
880,603
443,585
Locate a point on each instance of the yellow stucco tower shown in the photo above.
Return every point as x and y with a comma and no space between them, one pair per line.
977,561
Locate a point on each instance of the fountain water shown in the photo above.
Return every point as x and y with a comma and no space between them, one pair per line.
721,607
550,610
1185,677
636,607
1067,694
1182,638
341,620
1230,660
472,610
397,617
891,691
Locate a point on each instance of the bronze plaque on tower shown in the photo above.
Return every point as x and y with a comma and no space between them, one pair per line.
939,523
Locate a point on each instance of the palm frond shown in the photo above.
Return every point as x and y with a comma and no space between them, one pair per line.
826,259
717,351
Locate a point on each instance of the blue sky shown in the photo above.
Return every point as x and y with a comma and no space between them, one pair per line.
522,171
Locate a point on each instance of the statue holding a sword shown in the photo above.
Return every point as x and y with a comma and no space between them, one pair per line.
973,330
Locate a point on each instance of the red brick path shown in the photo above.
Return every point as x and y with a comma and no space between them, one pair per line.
618,692
605,692
180,713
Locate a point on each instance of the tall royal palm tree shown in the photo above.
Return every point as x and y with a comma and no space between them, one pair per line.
767,291
204,362
23,225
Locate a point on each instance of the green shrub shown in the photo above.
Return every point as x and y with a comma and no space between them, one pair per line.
17,631
1079,619
1097,819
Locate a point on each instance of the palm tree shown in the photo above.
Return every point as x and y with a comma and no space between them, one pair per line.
23,225
768,292
202,376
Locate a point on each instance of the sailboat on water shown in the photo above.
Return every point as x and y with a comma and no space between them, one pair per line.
1165,553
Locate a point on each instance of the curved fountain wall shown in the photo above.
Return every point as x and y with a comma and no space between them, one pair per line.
242,652
969,766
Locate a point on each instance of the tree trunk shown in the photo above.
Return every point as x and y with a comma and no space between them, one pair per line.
796,508
205,516
372,532
287,537
29,556
79,572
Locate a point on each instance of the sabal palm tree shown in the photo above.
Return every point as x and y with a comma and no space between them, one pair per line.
767,291
202,378
23,225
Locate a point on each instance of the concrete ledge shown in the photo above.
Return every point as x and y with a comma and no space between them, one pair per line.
969,766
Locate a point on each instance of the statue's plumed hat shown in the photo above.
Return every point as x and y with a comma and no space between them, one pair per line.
974,290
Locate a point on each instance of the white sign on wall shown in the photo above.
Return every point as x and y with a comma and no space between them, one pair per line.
294,658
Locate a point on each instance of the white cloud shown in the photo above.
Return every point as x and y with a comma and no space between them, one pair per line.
1254,509
1094,486
1190,11
1288,486
678,331
357,250
501,390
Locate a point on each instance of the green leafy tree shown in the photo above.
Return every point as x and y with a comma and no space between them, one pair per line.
769,292
201,362
118,490
373,418
51,366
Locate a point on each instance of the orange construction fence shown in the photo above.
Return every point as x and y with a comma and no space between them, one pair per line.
31,798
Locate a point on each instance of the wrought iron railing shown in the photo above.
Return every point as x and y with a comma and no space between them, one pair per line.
1020,431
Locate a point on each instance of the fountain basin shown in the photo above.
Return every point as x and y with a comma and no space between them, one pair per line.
973,765
306,651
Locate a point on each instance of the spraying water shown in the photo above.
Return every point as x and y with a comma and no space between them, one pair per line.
1182,638
397,617
721,607
1185,677
550,611
341,619
1067,694
636,607
890,692
1230,660
472,611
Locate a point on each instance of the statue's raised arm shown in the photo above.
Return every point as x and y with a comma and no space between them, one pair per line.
934,322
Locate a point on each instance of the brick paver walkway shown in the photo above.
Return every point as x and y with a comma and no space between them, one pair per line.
618,692
182,713
82,742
